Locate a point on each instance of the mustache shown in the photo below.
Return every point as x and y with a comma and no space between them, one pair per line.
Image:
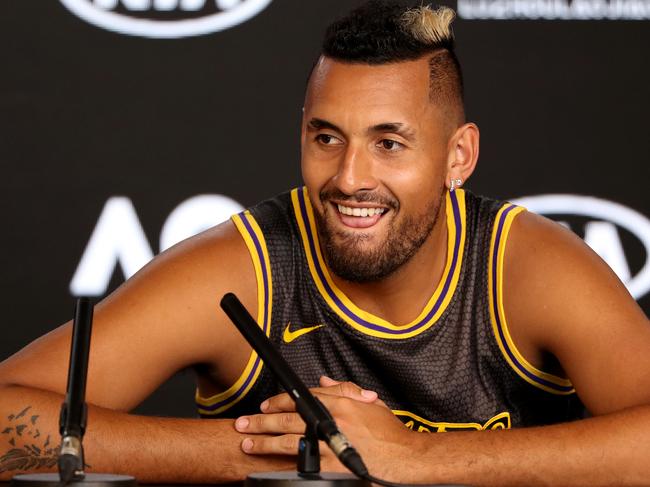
363,196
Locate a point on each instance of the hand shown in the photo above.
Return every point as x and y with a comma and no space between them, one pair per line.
368,423
279,411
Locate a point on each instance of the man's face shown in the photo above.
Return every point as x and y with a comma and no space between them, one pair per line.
374,152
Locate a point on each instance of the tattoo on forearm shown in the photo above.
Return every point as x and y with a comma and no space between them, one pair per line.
33,455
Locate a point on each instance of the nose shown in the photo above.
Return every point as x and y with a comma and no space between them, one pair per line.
355,171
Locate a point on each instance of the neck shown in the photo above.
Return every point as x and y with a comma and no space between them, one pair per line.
400,297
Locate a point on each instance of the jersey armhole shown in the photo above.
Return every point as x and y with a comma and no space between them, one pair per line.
540,379
256,244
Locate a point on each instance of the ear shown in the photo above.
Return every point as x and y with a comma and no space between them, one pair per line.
462,153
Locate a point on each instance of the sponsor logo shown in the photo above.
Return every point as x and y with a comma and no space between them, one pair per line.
118,238
288,336
165,19
601,231
554,9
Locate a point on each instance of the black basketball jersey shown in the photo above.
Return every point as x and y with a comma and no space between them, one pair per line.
454,367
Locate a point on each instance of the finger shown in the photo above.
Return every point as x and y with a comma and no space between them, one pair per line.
337,404
271,445
275,404
325,381
280,423
346,389
283,402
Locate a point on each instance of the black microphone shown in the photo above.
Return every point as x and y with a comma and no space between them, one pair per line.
73,418
72,421
311,410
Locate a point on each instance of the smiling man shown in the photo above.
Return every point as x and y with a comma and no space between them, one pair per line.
367,231
410,305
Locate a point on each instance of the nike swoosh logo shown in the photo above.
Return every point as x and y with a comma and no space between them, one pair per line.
288,336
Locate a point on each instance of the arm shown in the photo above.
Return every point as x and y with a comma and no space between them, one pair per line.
592,452
159,450
162,320
561,299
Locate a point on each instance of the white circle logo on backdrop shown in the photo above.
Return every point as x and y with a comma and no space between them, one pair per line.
110,15
600,233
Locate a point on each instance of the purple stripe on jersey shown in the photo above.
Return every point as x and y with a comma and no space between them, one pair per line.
236,394
349,313
265,276
495,258
265,280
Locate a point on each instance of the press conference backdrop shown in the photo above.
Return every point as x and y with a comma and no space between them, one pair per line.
127,125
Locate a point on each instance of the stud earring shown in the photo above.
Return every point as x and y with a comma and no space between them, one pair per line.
455,183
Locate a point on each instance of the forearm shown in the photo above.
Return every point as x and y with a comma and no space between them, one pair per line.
152,449
602,451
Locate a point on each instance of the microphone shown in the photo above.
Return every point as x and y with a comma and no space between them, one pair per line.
74,412
310,409
73,418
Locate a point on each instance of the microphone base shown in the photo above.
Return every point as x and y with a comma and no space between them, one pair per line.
90,480
294,479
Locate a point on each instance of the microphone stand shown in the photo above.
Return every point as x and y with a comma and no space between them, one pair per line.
309,453
74,412
319,422
73,418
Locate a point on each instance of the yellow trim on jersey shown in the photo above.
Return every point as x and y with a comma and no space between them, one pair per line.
535,376
307,226
500,421
264,303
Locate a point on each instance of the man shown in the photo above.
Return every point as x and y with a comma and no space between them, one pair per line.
450,312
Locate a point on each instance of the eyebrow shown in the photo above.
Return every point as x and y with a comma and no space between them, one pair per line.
394,127
319,124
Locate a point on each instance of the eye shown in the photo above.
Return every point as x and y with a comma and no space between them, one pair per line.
327,139
390,145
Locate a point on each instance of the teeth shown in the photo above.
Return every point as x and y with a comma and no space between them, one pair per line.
361,212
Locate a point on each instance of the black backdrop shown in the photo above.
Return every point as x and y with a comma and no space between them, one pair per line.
88,114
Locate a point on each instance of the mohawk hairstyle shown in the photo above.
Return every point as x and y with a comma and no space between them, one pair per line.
383,32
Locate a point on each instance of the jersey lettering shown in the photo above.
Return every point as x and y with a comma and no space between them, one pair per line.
416,423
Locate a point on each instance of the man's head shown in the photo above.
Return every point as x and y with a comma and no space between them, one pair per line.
382,32
383,130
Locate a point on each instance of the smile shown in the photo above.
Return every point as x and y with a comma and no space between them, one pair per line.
360,217
360,212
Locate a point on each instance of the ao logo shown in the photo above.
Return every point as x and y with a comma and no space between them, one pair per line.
105,14
600,233
118,237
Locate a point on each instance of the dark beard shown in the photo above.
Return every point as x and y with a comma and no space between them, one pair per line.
344,252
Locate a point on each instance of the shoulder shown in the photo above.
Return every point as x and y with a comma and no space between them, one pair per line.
218,253
547,264
196,264
170,308
562,298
